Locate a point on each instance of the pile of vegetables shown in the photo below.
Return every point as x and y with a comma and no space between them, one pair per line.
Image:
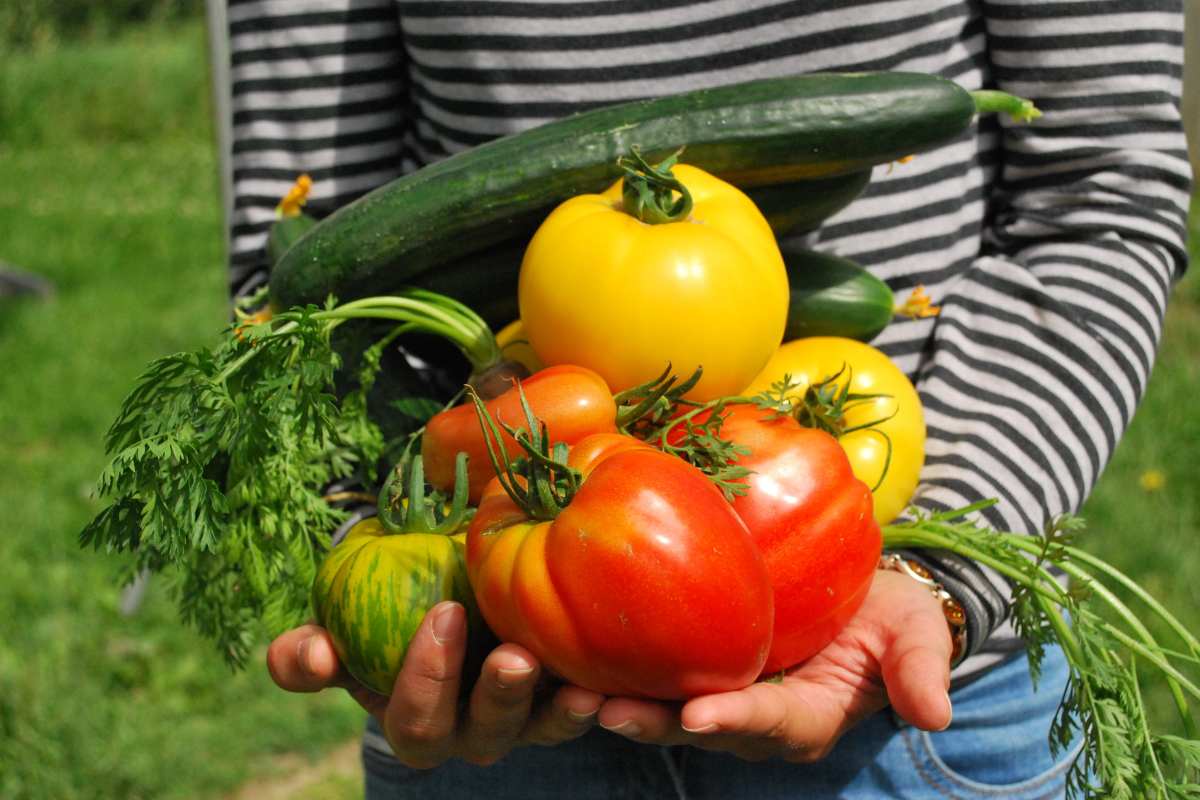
673,471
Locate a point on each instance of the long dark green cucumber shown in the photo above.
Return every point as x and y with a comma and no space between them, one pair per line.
487,281
833,296
755,133
800,206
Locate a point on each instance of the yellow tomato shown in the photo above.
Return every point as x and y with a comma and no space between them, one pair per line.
870,372
604,290
514,345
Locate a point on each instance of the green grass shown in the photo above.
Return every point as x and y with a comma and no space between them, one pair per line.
124,218
108,187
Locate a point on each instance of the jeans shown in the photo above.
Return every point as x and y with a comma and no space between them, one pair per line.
995,748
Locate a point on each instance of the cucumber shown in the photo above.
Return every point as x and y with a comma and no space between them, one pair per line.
833,296
487,281
285,232
752,134
801,206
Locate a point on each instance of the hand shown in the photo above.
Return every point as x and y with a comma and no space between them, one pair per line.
421,719
897,648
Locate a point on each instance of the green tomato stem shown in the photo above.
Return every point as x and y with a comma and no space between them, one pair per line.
648,192
541,483
422,513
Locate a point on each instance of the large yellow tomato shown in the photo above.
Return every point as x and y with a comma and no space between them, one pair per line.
870,372
604,290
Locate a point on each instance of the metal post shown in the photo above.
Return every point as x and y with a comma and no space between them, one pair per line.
1191,80
219,73
219,70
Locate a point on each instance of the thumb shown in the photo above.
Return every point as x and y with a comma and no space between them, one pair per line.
916,666
303,660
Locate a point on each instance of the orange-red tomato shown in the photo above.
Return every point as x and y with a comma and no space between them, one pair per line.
812,520
646,584
572,401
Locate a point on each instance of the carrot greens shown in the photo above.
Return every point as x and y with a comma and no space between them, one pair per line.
220,459
1105,644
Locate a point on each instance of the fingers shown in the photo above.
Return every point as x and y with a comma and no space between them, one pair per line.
420,718
303,660
571,713
642,720
799,721
500,704
753,723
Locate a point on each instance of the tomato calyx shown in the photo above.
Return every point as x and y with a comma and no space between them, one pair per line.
695,436
658,413
643,408
824,405
540,482
404,507
649,192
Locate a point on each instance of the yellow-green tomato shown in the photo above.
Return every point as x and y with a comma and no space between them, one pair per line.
373,590
601,289
902,421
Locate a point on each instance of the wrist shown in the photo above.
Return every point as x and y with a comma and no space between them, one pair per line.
952,610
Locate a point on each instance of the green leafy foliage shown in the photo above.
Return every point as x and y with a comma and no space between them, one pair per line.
219,462
220,459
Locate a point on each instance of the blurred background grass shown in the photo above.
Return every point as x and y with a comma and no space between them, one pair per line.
108,188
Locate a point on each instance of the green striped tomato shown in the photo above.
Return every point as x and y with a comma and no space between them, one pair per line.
373,590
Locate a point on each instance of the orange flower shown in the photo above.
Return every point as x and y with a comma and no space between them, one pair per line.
918,305
296,197
263,315
900,160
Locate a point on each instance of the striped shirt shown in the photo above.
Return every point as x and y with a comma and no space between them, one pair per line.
1050,248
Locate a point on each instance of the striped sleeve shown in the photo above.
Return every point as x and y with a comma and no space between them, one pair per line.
1050,247
318,86
1044,345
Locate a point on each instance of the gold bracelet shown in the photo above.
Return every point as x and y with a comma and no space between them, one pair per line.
956,617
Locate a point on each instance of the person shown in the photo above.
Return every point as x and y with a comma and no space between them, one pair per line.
1050,248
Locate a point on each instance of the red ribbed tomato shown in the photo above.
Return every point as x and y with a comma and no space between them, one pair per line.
645,584
812,520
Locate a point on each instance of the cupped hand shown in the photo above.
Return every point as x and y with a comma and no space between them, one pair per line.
895,650
423,719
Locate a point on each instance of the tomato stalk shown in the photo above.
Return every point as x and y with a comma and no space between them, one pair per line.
540,482
649,192
824,406
405,508
652,412
651,402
